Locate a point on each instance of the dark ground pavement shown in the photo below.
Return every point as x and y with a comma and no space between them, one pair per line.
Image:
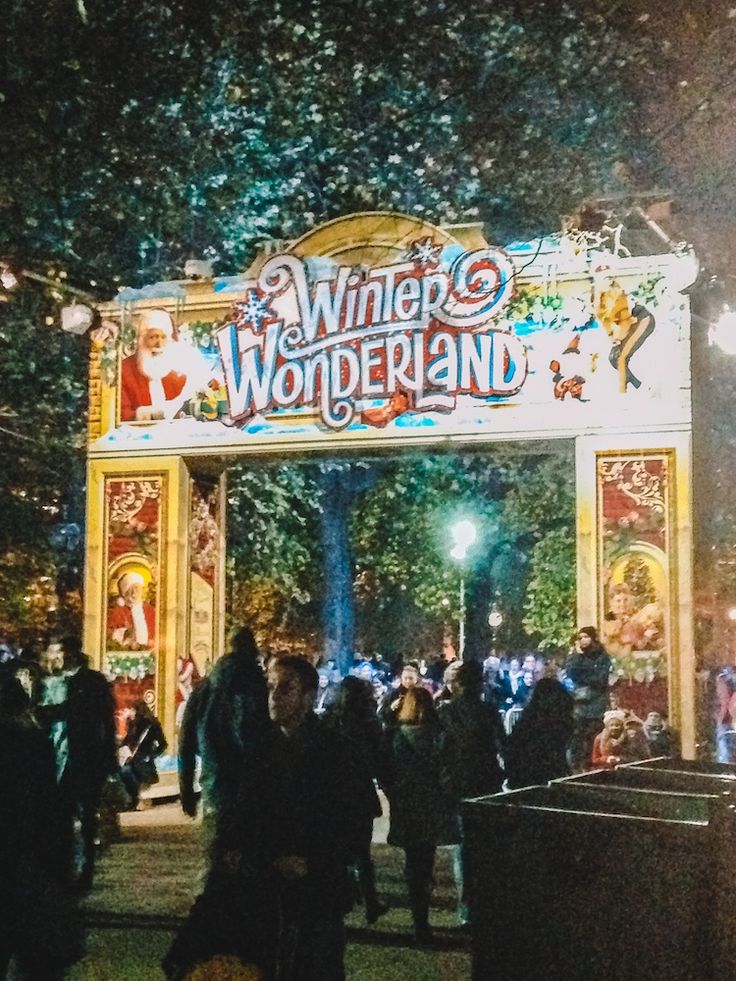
147,881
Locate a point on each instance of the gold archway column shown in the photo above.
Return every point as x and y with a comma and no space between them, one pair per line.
151,583
635,562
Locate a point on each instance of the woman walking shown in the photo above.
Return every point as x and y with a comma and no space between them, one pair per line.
353,715
471,742
420,815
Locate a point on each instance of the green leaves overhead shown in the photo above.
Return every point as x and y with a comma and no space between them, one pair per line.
147,132
137,134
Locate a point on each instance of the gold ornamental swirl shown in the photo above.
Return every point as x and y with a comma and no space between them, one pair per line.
632,478
128,502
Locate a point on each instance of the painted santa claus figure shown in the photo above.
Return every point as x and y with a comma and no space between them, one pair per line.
161,375
131,623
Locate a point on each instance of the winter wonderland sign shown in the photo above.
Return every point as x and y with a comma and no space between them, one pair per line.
381,327
409,331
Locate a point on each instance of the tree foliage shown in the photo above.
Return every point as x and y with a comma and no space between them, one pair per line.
138,134
274,561
550,603
406,578
541,505
149,130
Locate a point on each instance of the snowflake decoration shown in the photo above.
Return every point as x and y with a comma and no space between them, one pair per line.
252,311
424,253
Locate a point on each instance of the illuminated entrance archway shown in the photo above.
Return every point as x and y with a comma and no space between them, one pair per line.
380,331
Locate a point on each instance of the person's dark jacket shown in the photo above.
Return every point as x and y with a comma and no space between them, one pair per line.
389,707
296,798
364,740
145,739
536,750
189,747
470,745
231,714
29,803
420,809
34,850
589,673
387,710
89,713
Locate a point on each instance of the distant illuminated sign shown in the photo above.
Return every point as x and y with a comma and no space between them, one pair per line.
410,330
380,328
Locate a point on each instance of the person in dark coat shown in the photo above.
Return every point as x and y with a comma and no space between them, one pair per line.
536,750
421,817
35,850
326,694
659,735
144,741
228,714
88,715
587,670
471,741
353,716
291,830
189,747
511,682
492,688
308,838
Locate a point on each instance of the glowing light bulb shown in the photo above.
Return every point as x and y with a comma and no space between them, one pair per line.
8,278
463,533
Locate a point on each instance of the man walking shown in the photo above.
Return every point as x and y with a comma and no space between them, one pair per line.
87,715
471,741
307,834
279,871
224,718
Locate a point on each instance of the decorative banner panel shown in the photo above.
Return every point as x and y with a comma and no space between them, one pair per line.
634,528
133,569
204,565
422,337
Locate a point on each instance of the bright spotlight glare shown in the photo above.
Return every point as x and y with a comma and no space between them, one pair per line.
731,613
723,331
459,552
463,533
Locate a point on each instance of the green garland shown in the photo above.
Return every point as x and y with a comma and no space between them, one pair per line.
125,665
653,665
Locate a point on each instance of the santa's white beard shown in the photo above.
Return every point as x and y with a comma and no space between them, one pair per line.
156,366
140,627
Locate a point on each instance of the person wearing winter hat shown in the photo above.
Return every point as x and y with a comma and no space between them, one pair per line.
587,672
162,373
608,745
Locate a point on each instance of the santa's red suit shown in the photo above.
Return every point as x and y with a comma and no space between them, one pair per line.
120,617
135,387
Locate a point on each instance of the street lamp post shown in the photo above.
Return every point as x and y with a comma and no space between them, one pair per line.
463,534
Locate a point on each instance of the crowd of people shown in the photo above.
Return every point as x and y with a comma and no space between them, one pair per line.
292,761
59,750
427,734
508,683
